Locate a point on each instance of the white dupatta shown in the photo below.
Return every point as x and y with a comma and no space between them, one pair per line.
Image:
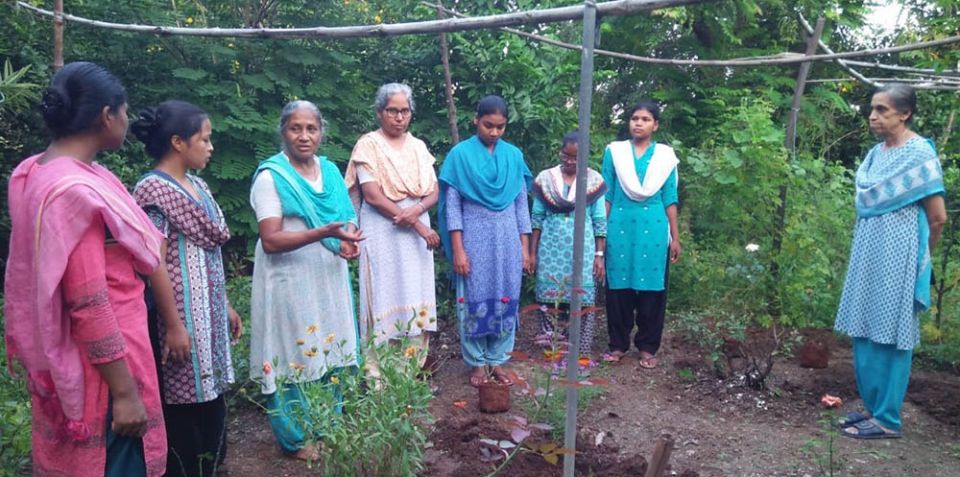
662,164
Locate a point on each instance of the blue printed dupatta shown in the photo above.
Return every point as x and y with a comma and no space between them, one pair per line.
917,177
299,199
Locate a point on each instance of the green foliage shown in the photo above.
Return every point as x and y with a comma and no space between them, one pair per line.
14,417
357,417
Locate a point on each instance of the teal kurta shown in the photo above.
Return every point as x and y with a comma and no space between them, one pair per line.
555,250
637,231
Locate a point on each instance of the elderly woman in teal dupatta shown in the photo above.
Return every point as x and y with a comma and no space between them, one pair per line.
554,198
302,317
485,228
900,215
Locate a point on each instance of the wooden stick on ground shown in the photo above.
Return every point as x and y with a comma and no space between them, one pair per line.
661,456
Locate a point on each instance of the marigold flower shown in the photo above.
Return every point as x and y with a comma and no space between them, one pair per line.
312,329
423,313
410,352
310,353
267,367
329,339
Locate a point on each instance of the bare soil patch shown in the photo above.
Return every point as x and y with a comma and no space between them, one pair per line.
721,428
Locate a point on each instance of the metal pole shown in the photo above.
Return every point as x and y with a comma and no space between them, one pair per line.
579,218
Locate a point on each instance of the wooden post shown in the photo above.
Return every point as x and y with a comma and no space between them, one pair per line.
661,457
448,81
790,142
57,35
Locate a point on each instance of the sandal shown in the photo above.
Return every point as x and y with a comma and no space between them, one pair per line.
648,361
869,429
501,375
478,377
613,357
851,419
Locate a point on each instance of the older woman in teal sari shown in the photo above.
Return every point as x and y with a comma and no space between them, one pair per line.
900,215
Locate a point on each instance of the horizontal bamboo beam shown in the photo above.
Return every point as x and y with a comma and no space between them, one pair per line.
550,15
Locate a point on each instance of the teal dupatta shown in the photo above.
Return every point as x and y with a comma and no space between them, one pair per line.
918,177
299,199
492,180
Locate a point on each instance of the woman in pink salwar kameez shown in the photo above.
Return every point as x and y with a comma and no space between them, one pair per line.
76,319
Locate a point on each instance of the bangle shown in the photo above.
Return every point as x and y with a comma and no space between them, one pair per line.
599,253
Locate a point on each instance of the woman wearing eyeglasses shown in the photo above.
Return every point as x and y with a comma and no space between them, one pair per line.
392,184
554,197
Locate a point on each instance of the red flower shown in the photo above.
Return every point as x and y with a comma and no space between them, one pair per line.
460,299
505,299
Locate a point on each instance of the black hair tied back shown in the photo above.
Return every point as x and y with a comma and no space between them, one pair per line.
55,105
146,124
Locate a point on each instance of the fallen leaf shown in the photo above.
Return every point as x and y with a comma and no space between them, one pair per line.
829,401
519,355
518,434
460,404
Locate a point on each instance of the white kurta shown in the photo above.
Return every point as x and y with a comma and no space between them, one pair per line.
397,284
303,294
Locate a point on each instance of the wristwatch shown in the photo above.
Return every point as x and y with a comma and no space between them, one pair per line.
599,253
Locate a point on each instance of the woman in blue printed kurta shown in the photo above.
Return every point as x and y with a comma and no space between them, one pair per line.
554,199
484,226
900,215
641,234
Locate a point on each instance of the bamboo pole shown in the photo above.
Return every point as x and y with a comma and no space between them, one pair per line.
790,142
778,59
549,15
579,222
448,81
826,48
57,35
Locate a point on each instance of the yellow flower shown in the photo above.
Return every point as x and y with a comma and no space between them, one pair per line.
311,352
377,19
189,20
423,313
329,339
334,380
421,323
410,352
312,329
297,366
300,342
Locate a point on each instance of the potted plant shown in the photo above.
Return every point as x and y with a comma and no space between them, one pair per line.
494,395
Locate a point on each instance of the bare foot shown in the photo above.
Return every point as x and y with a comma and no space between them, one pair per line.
478,377
309,453
647,360
501,375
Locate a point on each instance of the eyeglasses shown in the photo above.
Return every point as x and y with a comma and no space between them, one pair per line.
569,157
394,112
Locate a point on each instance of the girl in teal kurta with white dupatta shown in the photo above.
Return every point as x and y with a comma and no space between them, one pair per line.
641,235
900,214
302,315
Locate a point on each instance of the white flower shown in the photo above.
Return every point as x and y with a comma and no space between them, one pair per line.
752,247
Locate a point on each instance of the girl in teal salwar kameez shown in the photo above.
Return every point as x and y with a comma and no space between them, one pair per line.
641,235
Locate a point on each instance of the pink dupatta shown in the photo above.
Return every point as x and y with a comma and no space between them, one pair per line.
51,206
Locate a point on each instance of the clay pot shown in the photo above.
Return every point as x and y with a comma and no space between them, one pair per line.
814,354
494,397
